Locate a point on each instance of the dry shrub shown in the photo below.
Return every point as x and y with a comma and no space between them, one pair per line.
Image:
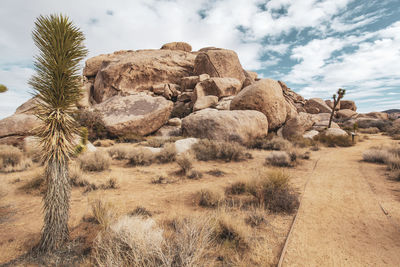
216,173
333,141
119,153
268,143
12,159
212,150
167,154
130,138
37,185
376,155
103,213
111,183
371,130
393,162
255,218
131,241
278,158
104,143
141,211
231,232
95,162
193,174
208,198
160,141
185,162
140,157
396,137
160,179
75,176
302,142
236,188
93,121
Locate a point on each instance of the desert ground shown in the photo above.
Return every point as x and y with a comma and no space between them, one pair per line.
349,209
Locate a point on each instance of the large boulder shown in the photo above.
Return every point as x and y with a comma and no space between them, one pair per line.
298,125
134,71
191,81
219,63
330,104
335,132
317,105
18,125
28,107
292,97
345,113
238,125
135,114
204,102
265,96
348,104
220,87
377,115
310,134
178,46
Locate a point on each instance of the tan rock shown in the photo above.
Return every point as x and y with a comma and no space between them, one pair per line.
19,124
322,125
330,104
335,132
265,96
219,63
205,102
175,122
178,46
292,97
135,114
317,105
181,109
378,115
169,131
348,104
87,89
238,125
345,113
310,134
298,125
185,97
225,103
28,107
93,65
134,71
221,87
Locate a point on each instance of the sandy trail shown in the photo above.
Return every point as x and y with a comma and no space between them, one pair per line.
341,221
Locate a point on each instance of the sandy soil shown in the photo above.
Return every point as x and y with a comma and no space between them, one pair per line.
342,220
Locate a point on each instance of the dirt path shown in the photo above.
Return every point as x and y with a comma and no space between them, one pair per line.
341,221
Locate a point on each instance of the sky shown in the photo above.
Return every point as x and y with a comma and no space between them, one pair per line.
315,46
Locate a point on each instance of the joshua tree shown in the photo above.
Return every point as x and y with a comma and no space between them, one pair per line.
56,85
3,88
340,94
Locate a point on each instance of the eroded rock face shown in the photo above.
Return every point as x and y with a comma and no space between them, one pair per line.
226,125
219,63
28,107
127,72
265,96
220,87
330,104
377,115
135,114
204,102
348,104
298,125
345,113
178,46
292,97
18,125
317,105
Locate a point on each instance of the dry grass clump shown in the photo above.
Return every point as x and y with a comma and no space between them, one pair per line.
333,141
75,176
103,213
95,162
104,142
212,150
159,141
12,159
141,211
130,138
193,174
279,158
208,198
236,188
140,157
256,218
393,162
370,130
185,163
231,232
167,154
216,173
37,185
376,155
268,143
118,153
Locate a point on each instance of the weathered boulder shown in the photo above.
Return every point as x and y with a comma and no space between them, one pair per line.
181,109
345,113
18,125
224,103
219,63
322,125
169,131
377,115
253,75
310,134
191,81
205,102
292,97
348,104
238,125
185,97
321,117
137,114
298,125
184,145
93,65
265,96
335,132
316,105
167,90
28,107
178,46
133,71
330,104
86,98
175,122
220,87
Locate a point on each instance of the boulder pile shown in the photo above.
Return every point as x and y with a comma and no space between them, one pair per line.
203,94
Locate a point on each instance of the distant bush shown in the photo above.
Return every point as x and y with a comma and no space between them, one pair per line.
208,198
167,154
212,150
393,162
236,188
333,141
12,159
278,158
185,163
371,130
159,141
231,233
140,156
375,155
103,213
267,143
130,138
95,162
94,123
119,152
193,174
141,211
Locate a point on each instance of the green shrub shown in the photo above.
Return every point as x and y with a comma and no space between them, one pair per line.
95,162
3,88
212,150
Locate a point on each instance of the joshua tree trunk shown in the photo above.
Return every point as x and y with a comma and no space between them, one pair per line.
56,206
336,101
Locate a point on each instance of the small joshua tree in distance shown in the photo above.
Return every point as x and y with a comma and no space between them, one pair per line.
336,100
3,88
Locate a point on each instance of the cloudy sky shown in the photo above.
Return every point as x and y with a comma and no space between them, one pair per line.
315,46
